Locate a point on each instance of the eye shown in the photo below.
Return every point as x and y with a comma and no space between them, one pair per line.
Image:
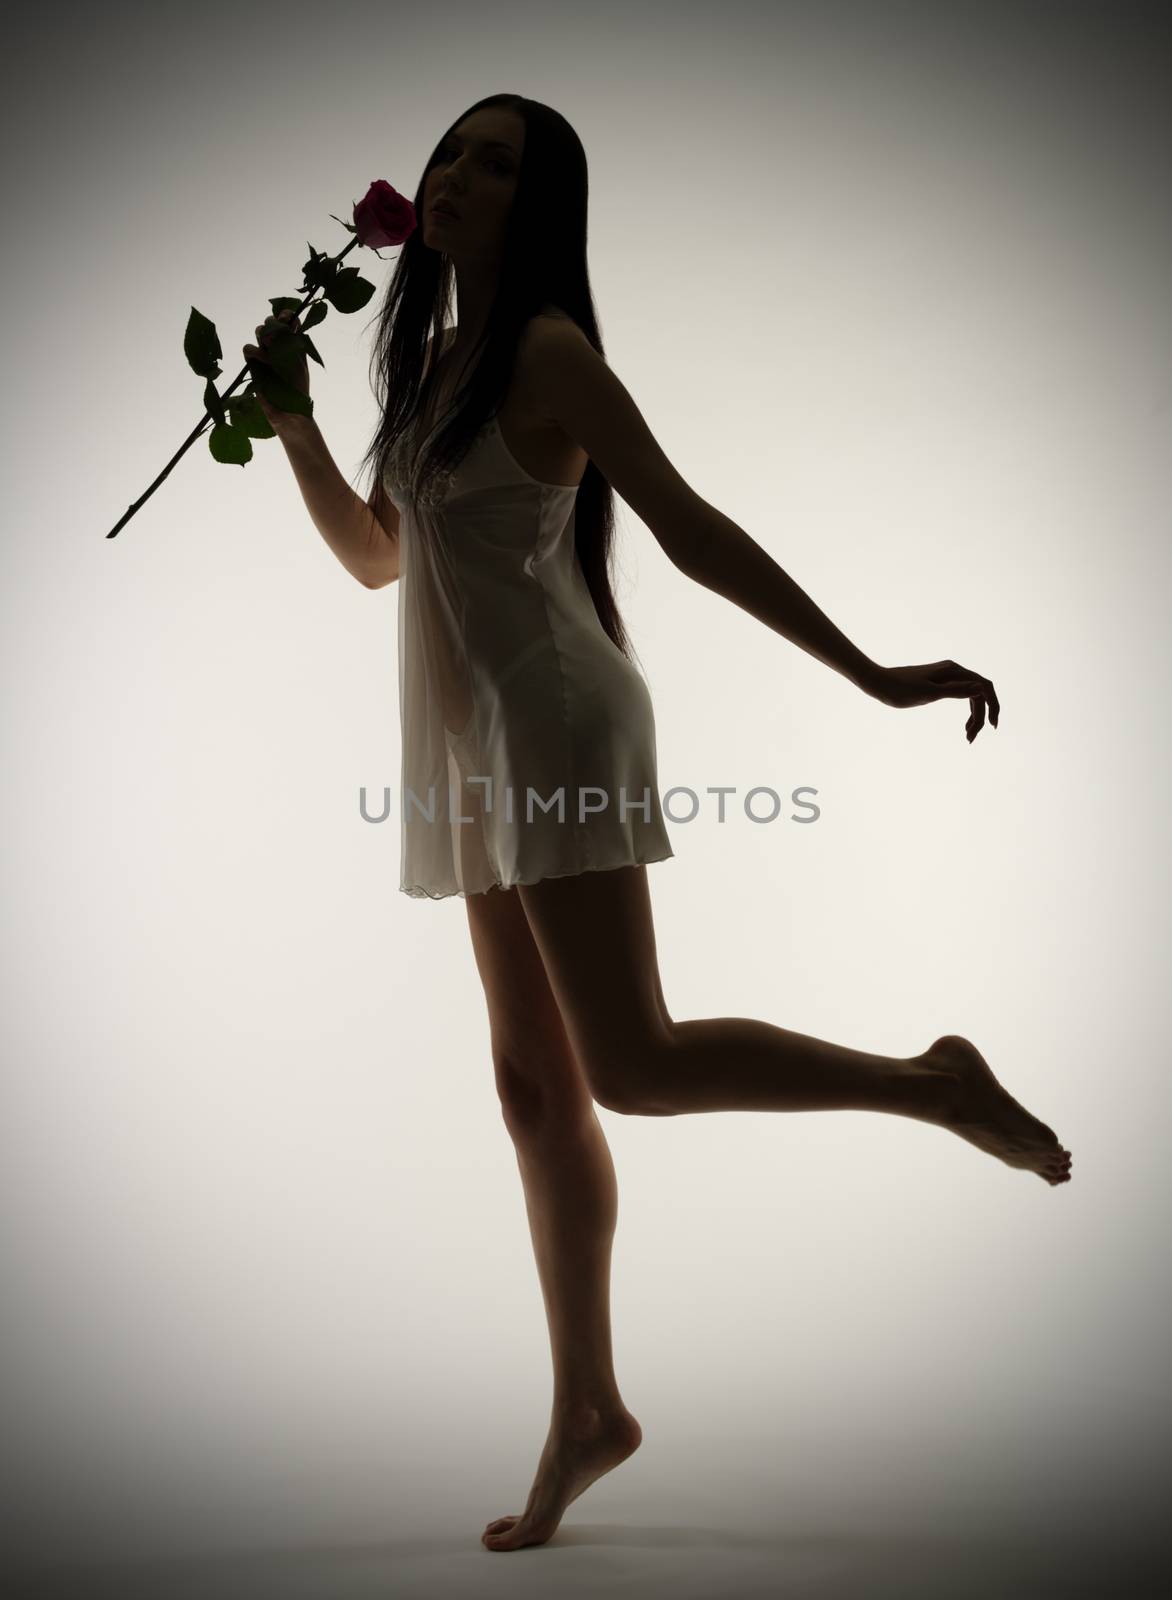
448,154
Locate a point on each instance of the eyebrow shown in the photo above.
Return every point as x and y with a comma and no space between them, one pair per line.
485,144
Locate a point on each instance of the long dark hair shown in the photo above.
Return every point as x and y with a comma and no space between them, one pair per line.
544,263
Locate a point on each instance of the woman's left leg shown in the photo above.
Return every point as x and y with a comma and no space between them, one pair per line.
571,1198
597,941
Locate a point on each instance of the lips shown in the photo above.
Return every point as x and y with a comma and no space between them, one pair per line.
444,209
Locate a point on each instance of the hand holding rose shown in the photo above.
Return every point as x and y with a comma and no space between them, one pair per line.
278,364
265,333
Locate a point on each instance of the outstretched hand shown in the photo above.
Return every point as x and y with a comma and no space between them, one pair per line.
938,680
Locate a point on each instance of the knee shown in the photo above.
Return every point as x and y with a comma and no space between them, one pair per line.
626,1077
538,1089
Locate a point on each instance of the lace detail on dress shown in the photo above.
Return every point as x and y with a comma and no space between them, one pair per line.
399,469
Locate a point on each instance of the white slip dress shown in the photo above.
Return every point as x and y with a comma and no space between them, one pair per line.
528,737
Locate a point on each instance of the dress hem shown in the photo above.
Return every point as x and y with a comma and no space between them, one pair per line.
418,892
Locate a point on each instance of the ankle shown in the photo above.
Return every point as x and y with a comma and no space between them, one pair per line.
927,1090
586,1413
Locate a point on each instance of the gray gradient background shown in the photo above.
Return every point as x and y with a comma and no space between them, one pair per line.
890,284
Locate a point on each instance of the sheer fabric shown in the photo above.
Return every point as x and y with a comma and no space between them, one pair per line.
528,738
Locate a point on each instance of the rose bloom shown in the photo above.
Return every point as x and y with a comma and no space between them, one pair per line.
383,216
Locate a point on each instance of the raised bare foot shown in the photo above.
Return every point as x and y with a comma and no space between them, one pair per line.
575,1454
974,1105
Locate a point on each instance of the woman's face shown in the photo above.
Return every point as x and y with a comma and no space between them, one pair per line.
475,171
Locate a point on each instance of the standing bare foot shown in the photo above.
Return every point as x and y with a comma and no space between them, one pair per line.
576,1453
974,1105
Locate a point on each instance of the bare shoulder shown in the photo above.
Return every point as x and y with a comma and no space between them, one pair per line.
549,316
543,336
575,388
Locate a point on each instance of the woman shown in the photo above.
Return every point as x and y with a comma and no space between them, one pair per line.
495,457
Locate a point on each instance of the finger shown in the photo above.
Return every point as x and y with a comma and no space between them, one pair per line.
983,688
973,689
983,698
268,328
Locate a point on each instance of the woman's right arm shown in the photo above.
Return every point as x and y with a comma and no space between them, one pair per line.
364,535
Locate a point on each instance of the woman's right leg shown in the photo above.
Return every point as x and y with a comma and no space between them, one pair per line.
571,1198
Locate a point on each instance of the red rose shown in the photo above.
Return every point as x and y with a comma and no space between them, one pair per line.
383,216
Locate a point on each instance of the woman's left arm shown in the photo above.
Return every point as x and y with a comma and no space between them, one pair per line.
726,560
577,390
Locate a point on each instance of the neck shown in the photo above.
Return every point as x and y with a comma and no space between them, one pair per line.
475,291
